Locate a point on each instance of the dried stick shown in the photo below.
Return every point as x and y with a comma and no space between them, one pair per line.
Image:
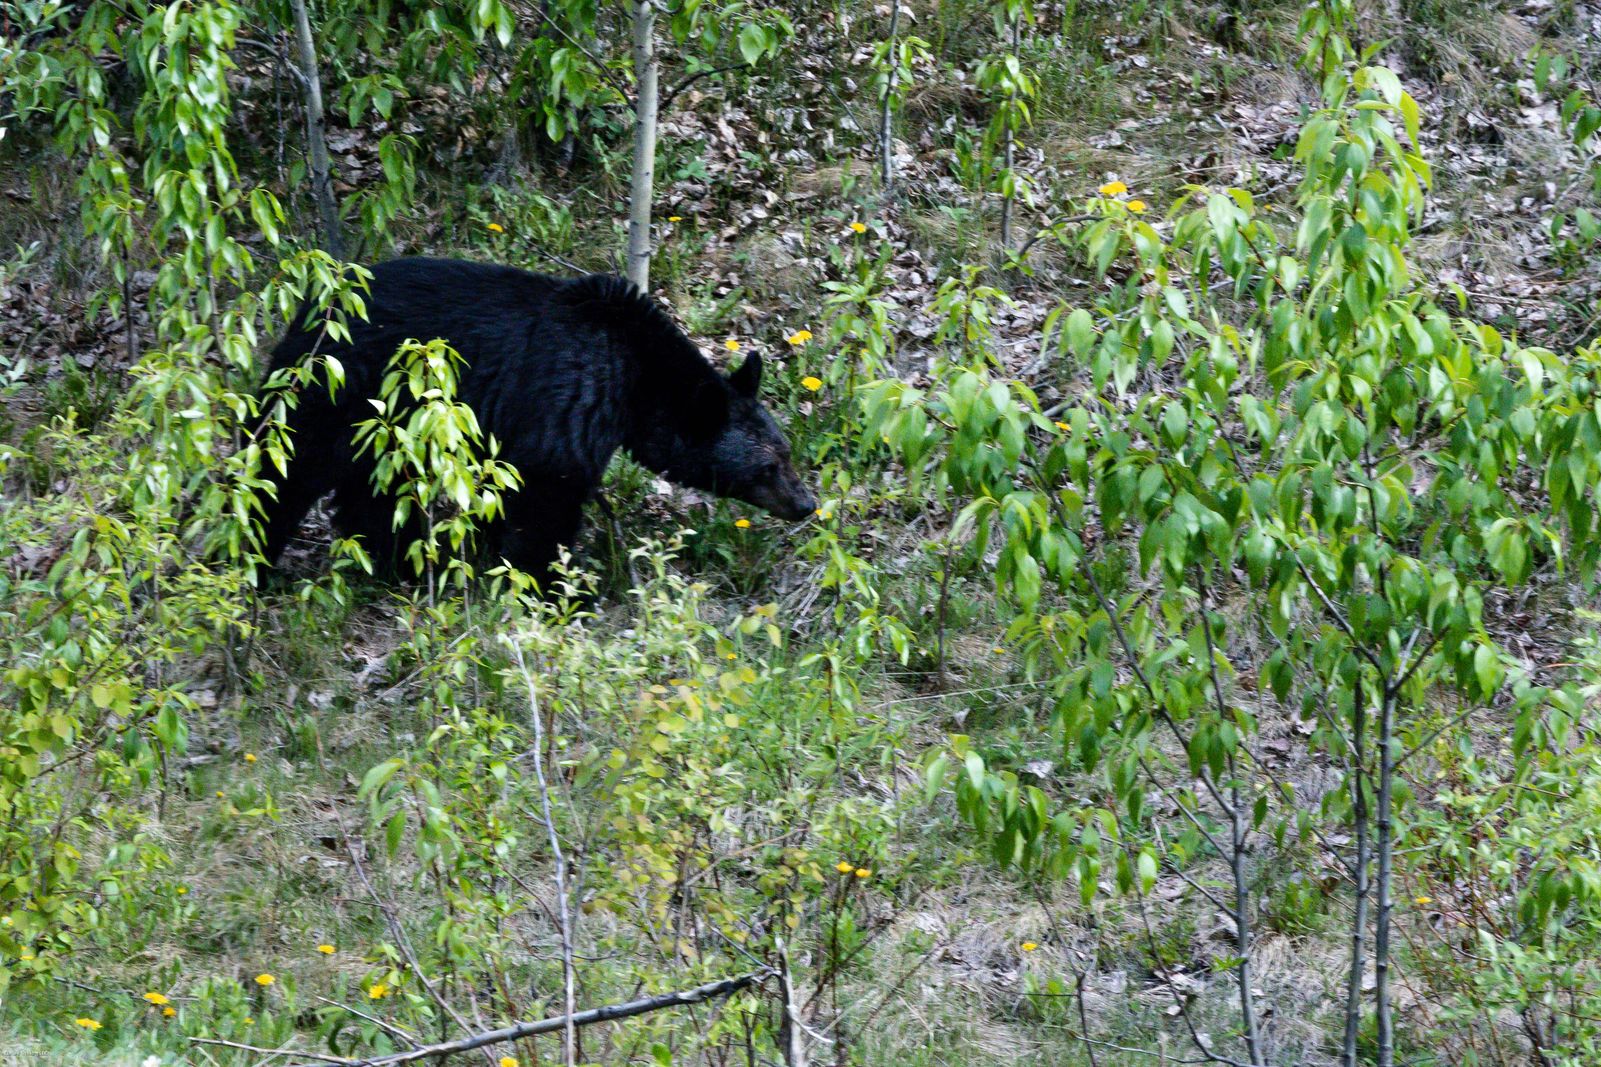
699,994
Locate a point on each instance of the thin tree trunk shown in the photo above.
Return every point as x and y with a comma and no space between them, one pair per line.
1011,142
1381,932
1237,834
1359,807
644,177
1242,917
886,142
322,185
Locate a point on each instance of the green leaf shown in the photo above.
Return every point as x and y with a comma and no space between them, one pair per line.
934,777
752,43
1147,871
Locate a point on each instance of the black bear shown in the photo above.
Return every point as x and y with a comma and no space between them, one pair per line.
562,372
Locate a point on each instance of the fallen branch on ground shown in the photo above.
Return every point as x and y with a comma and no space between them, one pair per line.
697,995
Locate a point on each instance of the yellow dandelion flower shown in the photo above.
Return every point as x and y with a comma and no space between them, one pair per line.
378,991
182,890
265,980
1060,425
864,872
326,950
249,1021
743,524
1113,188
495,227
812,383
88,1024
26,956
675,218
731,344
508,1061
1423,900
169,1011
844,868
156,998
1029,946
799,337
824,513
250,757
1136,206
859,227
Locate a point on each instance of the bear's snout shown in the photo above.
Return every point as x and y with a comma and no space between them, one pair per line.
803,505
785,496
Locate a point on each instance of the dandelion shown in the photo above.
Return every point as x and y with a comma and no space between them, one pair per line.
219,794
182,890
250,757
88,1024
812,382
1029,946
265,980
731,344
1060,425
864,872
378,991
844,868
1136,206
495,227
169,1011
998,650
675,218
508,1061
799,337
156,998
859,227
1423,900
824,513
249,1021
26,956
743,524
326,950
1113,188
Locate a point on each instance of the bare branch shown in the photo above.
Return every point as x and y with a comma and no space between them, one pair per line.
672,94
699,994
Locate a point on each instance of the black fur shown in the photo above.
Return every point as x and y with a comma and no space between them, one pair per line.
562,373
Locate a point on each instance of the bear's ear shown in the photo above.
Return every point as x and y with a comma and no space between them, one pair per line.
748,378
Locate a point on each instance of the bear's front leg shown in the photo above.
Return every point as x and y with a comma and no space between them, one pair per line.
540,518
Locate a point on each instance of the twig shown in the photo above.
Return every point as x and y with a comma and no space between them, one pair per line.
672,94
699,994
316,1056
600,64
398,933
393,1030
565,927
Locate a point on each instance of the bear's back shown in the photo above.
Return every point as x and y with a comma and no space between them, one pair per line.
541,366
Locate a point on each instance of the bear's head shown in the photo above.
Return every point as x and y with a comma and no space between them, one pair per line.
727,443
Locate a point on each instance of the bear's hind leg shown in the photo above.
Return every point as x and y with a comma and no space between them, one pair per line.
307,482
